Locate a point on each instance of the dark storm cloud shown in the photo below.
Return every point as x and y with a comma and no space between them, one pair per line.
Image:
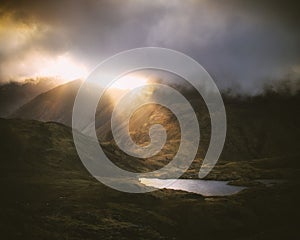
241,43
92,28
286,12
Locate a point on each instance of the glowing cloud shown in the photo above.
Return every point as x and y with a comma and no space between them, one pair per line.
63,67
128,82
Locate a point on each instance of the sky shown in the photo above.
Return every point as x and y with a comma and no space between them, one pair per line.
244,45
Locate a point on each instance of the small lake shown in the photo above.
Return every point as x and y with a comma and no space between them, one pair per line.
204,187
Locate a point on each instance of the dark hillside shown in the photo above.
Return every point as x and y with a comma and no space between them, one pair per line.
47,194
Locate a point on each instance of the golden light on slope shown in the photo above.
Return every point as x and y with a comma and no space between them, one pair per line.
129,82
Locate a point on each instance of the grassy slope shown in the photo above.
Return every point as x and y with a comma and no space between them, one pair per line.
258,127
47,194
262,133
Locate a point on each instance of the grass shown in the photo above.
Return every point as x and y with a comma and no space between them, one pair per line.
48,194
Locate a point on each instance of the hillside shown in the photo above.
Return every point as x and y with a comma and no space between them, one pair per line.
15,94
53,105
47,194
257,127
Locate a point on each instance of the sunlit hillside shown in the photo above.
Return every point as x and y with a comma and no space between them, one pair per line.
265,126
15,94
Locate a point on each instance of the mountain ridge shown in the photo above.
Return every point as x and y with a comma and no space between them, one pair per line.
258,127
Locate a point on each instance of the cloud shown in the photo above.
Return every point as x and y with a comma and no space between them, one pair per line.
241,43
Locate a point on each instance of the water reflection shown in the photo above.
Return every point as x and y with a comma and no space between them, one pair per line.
203,187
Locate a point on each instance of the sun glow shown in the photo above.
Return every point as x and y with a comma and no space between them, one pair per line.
129,82
39,65
64,67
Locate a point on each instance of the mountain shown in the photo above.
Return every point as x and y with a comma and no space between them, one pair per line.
46,193
15,94
258,127
57,104
53,105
